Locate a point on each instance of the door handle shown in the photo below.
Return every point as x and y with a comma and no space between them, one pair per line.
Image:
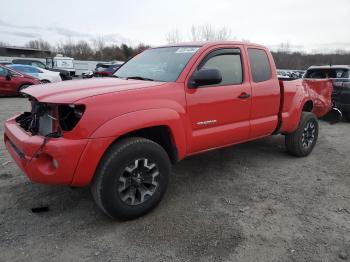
244,95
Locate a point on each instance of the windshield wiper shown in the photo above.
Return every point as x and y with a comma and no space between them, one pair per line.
139,78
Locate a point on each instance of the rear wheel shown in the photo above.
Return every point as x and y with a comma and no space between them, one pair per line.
131,178
303,140
45,81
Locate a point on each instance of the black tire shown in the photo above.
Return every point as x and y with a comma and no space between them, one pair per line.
116,171
21,88
65,77
303,140
45,81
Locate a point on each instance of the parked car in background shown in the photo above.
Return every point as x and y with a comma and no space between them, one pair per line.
105,69
340,75
45,76
300,73
60,62
281,74
5,63
12,82
87,74
65,75
289,73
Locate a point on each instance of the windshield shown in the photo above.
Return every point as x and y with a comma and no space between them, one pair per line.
159,64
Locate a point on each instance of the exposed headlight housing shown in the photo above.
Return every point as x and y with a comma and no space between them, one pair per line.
70,115
48,119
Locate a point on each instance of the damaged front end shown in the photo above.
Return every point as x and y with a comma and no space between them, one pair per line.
50,120
43,142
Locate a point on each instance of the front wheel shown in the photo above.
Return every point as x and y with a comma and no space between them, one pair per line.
303,140
131,178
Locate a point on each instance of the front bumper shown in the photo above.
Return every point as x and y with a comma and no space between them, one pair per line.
55,163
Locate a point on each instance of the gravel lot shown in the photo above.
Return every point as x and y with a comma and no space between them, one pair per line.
251,202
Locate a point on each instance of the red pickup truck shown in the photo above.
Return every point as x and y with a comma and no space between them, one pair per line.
120,135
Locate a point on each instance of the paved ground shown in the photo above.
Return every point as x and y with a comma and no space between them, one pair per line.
251,202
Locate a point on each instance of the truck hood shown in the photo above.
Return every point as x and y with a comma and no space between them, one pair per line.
74,90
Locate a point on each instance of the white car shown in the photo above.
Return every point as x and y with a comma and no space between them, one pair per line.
45,76
87,74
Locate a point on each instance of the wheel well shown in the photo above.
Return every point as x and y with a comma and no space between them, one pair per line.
308,106
161,135
23,84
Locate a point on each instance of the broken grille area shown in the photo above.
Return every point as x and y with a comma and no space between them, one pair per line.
47,119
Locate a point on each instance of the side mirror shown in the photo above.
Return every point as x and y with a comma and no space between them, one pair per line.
8,76
205,77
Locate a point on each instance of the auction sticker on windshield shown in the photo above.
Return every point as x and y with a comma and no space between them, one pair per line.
186,50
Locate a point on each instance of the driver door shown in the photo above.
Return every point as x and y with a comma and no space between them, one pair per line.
219,114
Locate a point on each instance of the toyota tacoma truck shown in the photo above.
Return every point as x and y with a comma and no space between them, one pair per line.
121,135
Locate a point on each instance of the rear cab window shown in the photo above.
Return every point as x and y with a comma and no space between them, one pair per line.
259,64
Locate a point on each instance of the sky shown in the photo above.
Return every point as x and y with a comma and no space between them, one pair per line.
306,25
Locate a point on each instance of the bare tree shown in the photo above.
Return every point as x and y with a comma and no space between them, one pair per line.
141,47
82,50
223,33
3,44
39,44
195,34
66,48
174,36
207,32
99,45
284,47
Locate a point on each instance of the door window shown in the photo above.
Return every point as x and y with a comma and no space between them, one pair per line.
229,65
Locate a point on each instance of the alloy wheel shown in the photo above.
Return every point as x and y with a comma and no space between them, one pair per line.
138,182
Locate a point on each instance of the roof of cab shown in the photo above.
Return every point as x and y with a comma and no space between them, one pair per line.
212,43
